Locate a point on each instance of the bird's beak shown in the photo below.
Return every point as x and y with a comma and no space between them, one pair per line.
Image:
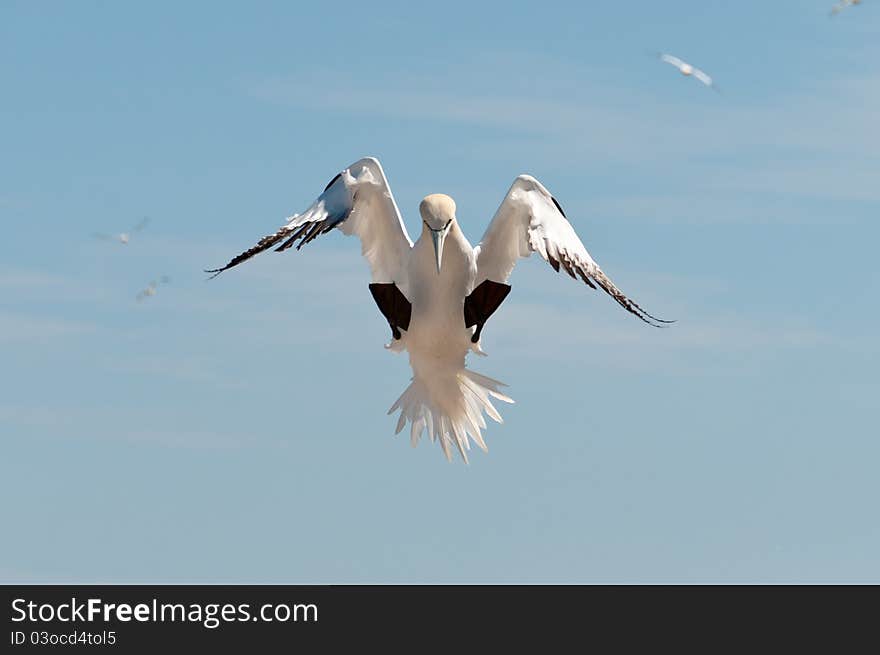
438,237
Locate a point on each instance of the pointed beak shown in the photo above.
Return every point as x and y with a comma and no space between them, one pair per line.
438,237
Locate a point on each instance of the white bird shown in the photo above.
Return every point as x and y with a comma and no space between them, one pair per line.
843,4
124,237
151,288
688,70
438,292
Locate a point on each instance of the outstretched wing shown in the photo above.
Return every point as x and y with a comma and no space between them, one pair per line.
671,59
531,220
840,6
358,201
704,78
141,224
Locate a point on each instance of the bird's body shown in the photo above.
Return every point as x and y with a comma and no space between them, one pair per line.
438,292
444,396
436,328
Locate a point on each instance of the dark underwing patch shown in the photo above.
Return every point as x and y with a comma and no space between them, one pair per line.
482,303
394,306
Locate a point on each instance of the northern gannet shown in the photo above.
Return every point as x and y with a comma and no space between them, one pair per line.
438,292
843,4
688,70
124,237
151,288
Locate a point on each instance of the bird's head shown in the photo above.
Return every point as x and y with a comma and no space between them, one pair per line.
438,215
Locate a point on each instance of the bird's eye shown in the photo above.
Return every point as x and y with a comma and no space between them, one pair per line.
448,223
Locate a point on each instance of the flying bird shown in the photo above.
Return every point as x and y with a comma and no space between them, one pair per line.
151,288
843,4
124,237
688,70
438,293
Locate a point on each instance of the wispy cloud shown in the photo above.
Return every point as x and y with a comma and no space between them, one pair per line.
118,425
551,319
33,328
817,141
33,282
829,115
562,330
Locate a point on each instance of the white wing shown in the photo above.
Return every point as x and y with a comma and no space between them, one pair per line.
358,201
141,224
702,76
670,59
840,6
531,220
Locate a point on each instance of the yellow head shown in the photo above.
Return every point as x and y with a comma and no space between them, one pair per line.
438,214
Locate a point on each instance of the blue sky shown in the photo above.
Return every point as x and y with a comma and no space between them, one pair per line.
235,430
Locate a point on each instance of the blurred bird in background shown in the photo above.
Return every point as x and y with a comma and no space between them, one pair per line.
124,237
688,70
151,288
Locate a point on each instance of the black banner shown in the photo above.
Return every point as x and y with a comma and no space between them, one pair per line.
149,618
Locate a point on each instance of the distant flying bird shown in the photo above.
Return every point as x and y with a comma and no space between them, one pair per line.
124,237
151,288
688,70
843,4
438,293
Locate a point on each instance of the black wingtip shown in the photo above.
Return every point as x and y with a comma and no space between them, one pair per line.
650,320
628,304
330,184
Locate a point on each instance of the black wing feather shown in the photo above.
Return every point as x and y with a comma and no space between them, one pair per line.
393,305
482,303
263,244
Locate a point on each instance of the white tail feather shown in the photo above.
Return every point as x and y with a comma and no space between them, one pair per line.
451,407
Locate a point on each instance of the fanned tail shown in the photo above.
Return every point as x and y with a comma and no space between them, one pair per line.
451,408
